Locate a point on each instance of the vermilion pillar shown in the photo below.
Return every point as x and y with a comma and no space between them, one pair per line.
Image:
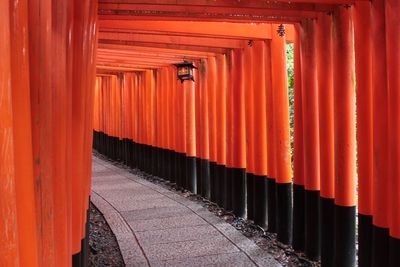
22,138
282,139
205,164
227,203
345,139
182,133
61,103
221,97
169,153
212,122
363,63
393,63
260,135
298,153
238,172
189,88
327,130
8,231
199,145
42,132
249,69
381,184
271,141
310,138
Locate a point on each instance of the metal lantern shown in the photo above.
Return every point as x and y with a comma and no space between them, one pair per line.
185,71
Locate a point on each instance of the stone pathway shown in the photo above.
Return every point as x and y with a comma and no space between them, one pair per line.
157,227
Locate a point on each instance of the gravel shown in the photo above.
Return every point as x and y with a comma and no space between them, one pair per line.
103,246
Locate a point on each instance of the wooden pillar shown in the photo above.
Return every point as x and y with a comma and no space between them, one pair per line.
393,61
221,96
282,139
311,138
8,210
42,133
260,135
238,172
298,157
271,141
249,69
381,185
363,63
22,137
327,130
205,164
60,110
212,122
198,118
227,201
345,139
189,87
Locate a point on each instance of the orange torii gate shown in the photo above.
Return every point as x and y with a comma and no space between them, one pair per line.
224,136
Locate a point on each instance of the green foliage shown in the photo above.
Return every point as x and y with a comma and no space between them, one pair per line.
290,73
290,64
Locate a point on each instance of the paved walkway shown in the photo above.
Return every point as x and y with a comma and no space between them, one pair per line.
157,227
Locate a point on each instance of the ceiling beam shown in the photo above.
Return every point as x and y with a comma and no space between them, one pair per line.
173,39
177,52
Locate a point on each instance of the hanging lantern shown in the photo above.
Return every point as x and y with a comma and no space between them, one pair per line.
185,71
281,30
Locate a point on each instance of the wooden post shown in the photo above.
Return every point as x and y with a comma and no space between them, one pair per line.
393,61
327,130
311,138
363,63
282,139
381,185
298,157
345,139
260,135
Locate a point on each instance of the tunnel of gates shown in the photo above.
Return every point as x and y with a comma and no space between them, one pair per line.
224,136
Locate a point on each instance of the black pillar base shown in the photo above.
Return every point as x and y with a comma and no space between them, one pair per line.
364,240
394,252
327,232
312,225
380,246
221,177
199,180
191,174
239,192
298,217
214,182
345,236
260,201
81,259
250,196
205,179
284,211
227,202
271,205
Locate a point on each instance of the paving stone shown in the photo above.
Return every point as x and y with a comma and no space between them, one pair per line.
166,223
144,204
237,259
177,235
156,225
130,195
187,249
156,213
